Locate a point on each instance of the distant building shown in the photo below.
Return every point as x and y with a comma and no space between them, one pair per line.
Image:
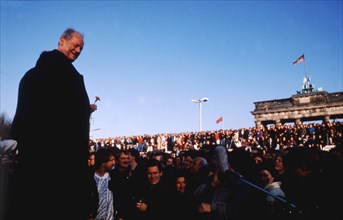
309,104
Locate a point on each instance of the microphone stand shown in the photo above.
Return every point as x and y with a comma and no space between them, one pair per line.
285,202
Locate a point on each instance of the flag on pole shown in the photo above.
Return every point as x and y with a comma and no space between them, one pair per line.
301,58
219,120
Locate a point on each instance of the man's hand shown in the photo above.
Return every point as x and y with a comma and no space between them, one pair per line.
93,107
204,207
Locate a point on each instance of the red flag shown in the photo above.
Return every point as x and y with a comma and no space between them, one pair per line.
302,58
219,120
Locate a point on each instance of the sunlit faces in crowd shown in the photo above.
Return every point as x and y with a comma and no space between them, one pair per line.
266,176
91,160
154,174
110,163
181,184
124,159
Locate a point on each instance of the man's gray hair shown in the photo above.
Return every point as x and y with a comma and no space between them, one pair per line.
68,33
203,161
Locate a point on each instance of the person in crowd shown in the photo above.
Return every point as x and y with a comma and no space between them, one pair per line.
104,162
52,119
136,164
8,164
180,160
309,186
199,172
272,206
127,182
258,159
279,166
154,202
91,160
169,170
226,196
181,198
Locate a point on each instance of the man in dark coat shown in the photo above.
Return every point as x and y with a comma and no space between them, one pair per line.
51,126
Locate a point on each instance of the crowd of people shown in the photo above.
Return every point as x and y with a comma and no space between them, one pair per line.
286,172
294,169
313,135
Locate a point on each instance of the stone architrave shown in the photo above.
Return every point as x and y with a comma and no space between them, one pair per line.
299,108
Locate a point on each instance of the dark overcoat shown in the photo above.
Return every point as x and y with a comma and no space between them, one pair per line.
51,126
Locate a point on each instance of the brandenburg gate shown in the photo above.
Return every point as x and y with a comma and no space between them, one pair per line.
301,107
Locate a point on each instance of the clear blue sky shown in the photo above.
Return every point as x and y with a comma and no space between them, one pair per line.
147,60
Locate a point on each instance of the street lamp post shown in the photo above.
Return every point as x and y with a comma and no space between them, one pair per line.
199,101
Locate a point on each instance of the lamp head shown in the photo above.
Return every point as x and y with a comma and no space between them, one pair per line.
204,99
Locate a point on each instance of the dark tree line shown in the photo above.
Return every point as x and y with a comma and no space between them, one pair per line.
5,126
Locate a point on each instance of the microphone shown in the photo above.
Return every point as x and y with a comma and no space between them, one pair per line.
228,175
222,163
221,160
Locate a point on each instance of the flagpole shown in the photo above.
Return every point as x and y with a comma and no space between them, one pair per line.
306,75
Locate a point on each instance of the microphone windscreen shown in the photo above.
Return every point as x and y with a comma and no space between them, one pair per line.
221,159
